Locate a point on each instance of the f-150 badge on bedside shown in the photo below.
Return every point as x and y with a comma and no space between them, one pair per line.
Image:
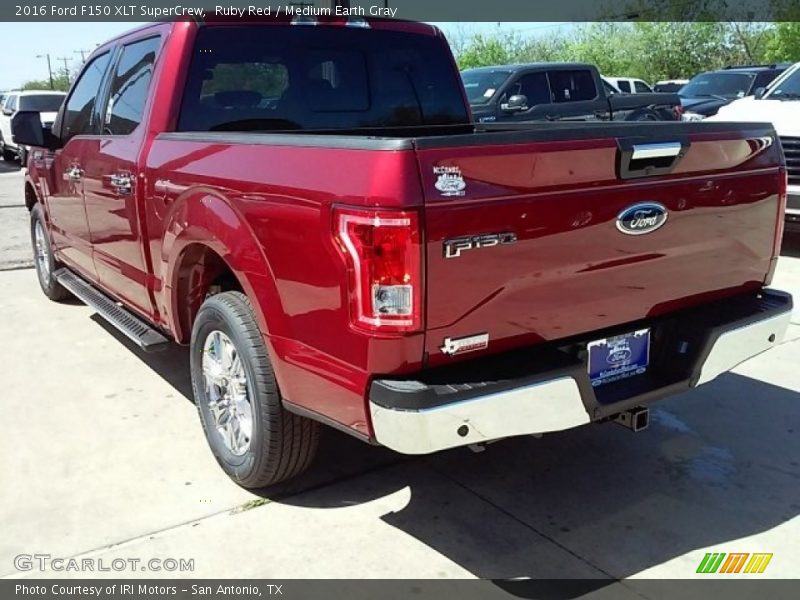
455,246
450,181
453,346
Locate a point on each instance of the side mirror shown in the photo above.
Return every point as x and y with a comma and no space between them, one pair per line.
27,130
8,112
516,103
759,92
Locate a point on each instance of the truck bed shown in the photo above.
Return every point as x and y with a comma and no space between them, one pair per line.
558,187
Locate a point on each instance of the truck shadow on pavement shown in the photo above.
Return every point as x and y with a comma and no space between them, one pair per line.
717,464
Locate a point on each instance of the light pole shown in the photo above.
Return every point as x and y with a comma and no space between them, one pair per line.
49,68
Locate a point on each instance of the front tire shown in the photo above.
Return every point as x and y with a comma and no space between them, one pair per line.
45,262
256,441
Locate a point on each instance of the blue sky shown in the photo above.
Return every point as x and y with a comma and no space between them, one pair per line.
23,41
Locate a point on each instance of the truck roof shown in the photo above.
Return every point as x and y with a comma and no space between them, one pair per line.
378,22
533,66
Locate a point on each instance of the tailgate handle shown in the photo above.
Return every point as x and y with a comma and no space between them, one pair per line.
662,150
637,157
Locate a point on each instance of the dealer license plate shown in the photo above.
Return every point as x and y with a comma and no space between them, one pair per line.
618,357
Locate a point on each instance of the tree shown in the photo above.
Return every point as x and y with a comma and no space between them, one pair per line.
784,44
60,82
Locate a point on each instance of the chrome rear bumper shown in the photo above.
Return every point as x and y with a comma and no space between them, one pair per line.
430,414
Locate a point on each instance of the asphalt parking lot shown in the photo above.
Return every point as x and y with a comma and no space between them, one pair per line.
105,458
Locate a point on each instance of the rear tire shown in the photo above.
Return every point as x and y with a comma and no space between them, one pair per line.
255,440
45,262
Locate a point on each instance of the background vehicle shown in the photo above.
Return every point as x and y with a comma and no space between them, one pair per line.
313,211
778,104
669,85
44,102
558,91
707,92
630,85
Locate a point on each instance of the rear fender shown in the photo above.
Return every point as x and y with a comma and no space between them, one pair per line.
207,218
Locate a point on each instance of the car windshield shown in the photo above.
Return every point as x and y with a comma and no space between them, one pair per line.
41,102
728,85
481,85
789,88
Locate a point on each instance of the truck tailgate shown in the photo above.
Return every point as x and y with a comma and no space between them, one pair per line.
557,262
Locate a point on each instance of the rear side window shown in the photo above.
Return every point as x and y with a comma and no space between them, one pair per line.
272,78
624,86
573,85
130,86
81,103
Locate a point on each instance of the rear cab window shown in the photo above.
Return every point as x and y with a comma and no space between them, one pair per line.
289,78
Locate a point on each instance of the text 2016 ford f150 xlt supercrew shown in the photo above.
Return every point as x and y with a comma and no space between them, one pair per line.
314,212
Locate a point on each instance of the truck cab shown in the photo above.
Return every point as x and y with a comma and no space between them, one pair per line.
558,92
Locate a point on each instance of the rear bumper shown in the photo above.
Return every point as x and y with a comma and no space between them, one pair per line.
547,389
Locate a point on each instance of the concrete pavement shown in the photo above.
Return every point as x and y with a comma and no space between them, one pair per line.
105,459
15,240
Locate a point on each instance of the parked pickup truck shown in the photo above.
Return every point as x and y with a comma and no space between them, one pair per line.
559,92
313,211
778,104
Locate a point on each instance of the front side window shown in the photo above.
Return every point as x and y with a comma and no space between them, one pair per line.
11,103
787,88
534,87
641,87
78,114
276,78
130,86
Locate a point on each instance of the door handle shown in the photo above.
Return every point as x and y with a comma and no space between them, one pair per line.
73,173
122,182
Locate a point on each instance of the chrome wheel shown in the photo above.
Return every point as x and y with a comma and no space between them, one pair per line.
227,392
42,253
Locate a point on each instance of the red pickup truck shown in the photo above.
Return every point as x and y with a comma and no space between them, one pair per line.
314,212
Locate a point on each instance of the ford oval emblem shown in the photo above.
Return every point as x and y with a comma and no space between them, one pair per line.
642,218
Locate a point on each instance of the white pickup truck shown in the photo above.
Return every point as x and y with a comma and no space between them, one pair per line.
778,104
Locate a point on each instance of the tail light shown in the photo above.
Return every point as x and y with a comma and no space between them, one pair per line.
678,112
783,194
383,251
783,191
